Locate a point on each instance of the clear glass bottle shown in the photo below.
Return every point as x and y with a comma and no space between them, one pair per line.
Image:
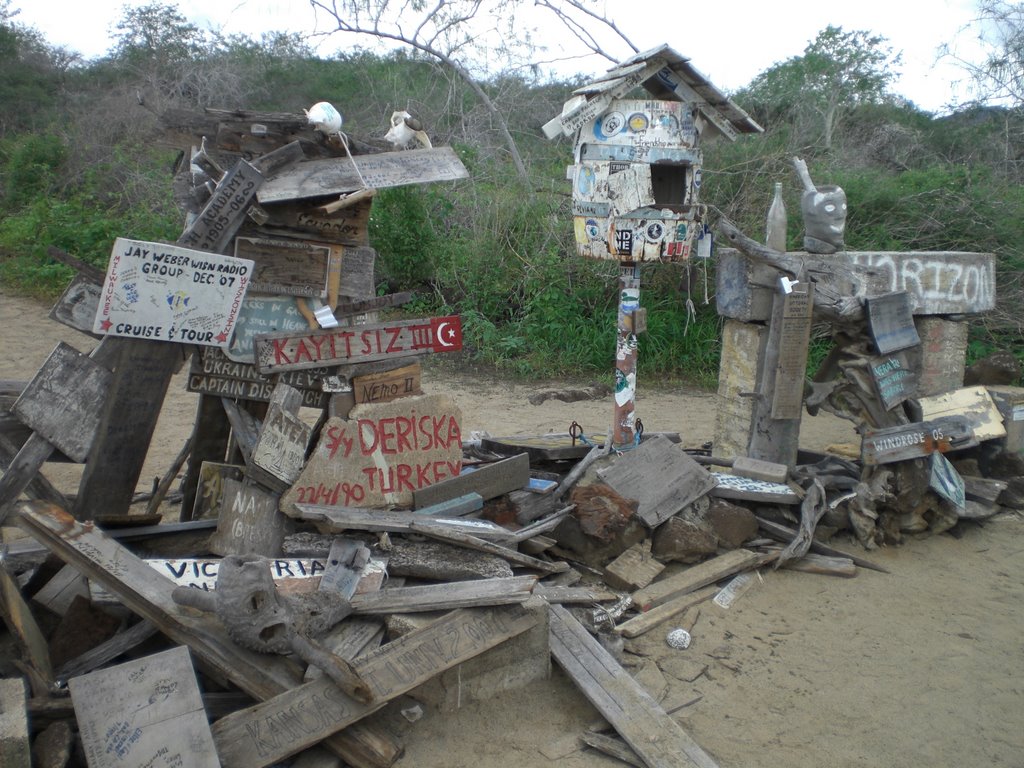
775,234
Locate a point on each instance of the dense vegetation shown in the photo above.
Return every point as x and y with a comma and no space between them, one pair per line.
81,164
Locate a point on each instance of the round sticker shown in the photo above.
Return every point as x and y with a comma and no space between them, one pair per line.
638,122
592,231
612,123
655,231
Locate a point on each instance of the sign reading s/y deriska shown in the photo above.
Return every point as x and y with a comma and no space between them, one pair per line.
169,293
291,351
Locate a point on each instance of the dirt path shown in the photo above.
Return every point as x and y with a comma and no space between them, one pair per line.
922,666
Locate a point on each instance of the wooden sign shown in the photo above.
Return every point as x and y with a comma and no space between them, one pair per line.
334,176
912,441
277,352
280,449
210,491
77,306
974,403
169,293
286,267
261,315
894,378
386,386
225,211
348,226
891,322
939,282
64,401
144,713
212,372
381,454
729,486
791,369
946,481
249,522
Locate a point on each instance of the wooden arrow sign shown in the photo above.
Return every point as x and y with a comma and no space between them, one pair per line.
292,351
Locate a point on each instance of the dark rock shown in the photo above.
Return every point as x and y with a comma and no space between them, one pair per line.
1013,496
52,748
684,538
733,524
995,369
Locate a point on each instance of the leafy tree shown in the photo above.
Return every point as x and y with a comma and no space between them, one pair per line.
999,76
837,72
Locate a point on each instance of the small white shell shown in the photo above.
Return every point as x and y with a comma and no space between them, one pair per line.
679,639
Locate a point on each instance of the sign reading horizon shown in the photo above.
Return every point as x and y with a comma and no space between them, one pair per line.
169,293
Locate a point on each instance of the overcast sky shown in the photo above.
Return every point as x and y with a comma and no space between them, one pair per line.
730,41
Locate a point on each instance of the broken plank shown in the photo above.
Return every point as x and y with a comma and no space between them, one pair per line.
473,542
107,651
489,481
319,708
14,743
695,577
634,569
341,519
614,746
445,597
823,565
639,719
661,613
148,594
22,625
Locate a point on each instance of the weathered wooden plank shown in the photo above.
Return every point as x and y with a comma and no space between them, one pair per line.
58,593
334,176
490,481
148,594
786,534
340,519
695,577
107,651
386,386
348,640
346,226
258,736
142,373
648,620
144,711
22,625
77,306
773,439
613,746
660,477
791,358
21,470
225,211
285,267
513,556
15,751
445,597
583,595
293,351
170,293
911,441
280,450
646,727
62,402
634,569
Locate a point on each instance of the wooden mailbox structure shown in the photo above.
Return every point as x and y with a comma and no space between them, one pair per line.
636,180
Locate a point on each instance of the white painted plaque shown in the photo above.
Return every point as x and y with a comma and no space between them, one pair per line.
169,293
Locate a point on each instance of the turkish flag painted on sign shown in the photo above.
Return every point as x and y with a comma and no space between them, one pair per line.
447,333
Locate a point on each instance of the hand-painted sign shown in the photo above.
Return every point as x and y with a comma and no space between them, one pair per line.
225,211
894,378
169,293
259,315
912,441
946,481
277,352
380,454
213,373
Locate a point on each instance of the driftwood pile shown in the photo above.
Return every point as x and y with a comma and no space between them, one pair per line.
341,544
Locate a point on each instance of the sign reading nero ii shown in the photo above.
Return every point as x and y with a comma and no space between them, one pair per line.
169,293
293,351
380,454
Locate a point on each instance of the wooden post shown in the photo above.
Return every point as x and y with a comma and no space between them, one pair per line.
624,421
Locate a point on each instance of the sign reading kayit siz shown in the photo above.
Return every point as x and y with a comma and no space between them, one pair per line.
169,293
292,351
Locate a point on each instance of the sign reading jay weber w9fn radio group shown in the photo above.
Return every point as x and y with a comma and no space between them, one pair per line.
169,293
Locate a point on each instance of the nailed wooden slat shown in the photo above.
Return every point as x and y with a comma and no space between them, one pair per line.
340,519
646,727
445,597
695,577
490,481
659,614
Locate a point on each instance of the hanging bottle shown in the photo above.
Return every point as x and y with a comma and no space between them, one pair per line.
775,236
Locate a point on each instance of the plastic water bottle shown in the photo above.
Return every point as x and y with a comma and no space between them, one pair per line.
775,235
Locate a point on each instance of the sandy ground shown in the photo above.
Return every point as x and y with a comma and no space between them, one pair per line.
921,666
